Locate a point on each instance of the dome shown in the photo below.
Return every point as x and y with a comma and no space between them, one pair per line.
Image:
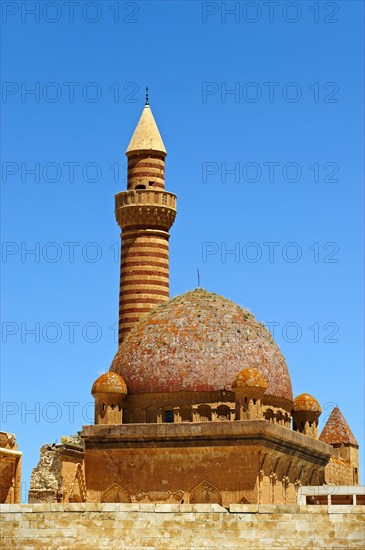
250,378
306,402
110,382
199,341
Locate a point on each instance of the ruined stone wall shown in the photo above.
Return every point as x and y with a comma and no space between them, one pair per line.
55,474
180,526
46,477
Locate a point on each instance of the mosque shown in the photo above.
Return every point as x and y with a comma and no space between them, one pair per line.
197,406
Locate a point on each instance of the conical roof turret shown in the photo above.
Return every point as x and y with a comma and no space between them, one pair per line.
336,430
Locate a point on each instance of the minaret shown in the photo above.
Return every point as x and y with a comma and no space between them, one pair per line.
145,213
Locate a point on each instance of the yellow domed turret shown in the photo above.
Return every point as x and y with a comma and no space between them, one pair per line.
305,413
109,382
249,387
306,402
249,378
109,390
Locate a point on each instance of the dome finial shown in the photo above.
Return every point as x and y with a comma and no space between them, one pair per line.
147,100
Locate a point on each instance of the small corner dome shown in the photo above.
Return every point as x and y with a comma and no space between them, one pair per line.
306,402
250,377
110,382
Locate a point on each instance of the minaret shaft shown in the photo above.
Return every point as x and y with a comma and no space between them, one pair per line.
145,213
144,275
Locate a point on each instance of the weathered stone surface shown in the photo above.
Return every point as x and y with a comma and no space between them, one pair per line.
337,431
198,526
200,342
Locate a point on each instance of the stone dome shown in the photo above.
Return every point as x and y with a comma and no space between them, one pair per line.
110,382
306,402
250,378
199,341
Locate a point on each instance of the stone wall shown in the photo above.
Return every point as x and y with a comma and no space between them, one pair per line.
180,526
340,472
253,461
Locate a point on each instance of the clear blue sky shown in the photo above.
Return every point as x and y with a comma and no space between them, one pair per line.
292,131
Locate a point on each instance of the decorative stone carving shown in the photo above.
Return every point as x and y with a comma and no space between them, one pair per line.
145,216
273,477
115,493
160,496
205,493
79,481
285,481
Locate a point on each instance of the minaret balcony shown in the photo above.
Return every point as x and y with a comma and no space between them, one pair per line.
145,207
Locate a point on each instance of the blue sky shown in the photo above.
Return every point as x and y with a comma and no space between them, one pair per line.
272,93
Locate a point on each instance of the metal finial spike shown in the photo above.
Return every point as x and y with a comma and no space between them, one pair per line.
147,100
198,278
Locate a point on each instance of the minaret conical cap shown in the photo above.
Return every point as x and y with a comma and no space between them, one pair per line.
146,136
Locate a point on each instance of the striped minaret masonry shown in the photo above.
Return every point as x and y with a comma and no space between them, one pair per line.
145,213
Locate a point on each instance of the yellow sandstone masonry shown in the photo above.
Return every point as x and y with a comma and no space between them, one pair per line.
180,526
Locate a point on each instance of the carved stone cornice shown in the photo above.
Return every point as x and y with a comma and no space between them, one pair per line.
246,432
147,216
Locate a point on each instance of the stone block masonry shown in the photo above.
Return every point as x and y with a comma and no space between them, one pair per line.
96,526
